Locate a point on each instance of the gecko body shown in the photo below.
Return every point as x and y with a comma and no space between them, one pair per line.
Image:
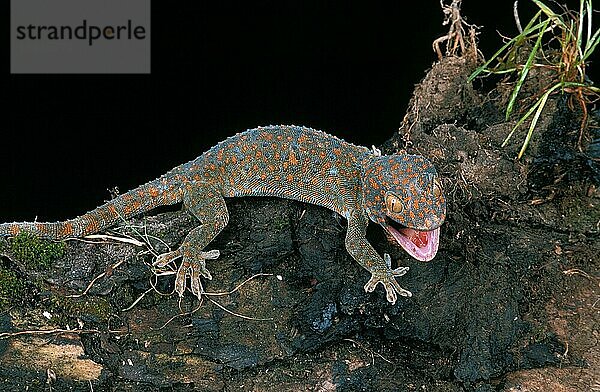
401,193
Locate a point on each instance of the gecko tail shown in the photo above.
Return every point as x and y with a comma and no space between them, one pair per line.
139,200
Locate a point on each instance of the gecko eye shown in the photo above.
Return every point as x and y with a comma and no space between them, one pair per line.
437,189
393,204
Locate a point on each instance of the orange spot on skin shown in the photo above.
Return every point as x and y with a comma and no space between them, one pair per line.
293,159
290,178
373,183
153,192
258,153
14,230
263,176
91,227
67,229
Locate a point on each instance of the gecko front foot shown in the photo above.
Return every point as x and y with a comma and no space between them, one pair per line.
387,277
193,264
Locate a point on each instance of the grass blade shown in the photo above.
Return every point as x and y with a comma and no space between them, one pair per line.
549,13
591,45
518,124
525,70
534,107
540,107
528,29
580,21
589,8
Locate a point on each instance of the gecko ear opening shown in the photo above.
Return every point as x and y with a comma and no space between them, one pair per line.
393,203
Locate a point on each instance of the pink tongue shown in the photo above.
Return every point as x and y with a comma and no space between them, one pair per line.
419,238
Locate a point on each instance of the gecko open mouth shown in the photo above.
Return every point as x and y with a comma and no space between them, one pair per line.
422,245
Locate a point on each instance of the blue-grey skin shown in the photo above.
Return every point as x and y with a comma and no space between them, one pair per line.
399,192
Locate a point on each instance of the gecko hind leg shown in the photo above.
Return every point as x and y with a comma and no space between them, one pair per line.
209,207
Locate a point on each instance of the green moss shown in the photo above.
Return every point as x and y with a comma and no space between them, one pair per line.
279,223
11,288
539,333
87,307
35,252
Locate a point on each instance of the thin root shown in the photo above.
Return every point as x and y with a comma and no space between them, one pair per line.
7,335
238,314
371,352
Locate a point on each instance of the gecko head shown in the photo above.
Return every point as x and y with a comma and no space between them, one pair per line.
403,194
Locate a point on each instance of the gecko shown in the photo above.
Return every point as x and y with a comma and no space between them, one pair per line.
400,192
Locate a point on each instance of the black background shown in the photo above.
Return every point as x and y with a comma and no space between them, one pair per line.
347,68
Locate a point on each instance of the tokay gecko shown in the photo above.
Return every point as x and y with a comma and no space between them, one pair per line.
402,193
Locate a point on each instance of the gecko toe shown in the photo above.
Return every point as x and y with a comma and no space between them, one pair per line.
194,266
181,277
371,284
388,280
400,271
196,287
166,258
390,294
